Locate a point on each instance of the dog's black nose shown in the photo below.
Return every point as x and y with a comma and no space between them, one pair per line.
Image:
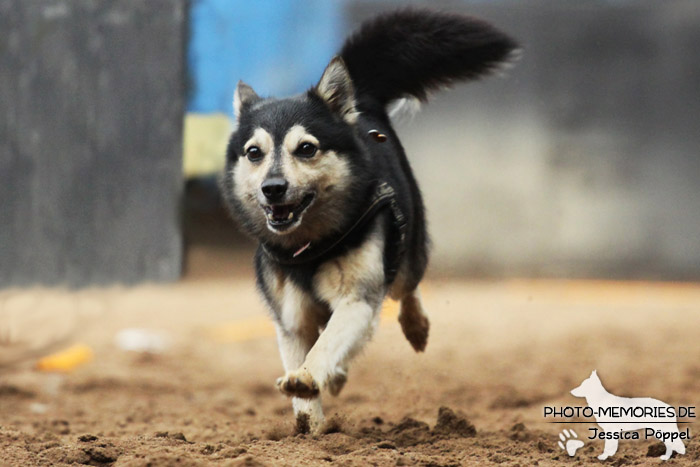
274,188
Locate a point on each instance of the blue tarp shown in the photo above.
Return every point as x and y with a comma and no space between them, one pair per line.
279,47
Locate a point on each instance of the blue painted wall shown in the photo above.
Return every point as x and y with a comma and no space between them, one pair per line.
279,47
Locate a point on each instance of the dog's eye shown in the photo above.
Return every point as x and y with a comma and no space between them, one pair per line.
254,154
306,150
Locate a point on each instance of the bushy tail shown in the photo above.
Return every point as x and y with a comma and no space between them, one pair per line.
411,52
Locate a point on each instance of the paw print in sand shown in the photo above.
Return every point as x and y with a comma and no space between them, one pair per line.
569,442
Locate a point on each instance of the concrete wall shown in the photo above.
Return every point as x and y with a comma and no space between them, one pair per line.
584,160
92,97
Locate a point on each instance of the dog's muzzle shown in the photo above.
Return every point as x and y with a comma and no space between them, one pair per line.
281,217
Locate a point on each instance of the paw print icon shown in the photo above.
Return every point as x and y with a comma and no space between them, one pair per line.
569,442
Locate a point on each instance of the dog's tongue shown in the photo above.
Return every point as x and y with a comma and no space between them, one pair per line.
281,212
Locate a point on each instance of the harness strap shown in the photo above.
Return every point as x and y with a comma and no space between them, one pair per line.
383,196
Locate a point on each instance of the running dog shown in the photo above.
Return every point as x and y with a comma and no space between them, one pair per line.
322,182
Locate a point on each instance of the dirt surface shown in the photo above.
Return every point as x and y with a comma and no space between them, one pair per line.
498,353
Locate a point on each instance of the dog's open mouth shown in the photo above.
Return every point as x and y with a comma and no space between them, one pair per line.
282,216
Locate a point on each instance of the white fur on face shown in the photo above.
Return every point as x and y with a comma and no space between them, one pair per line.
248,176
325,172
297,135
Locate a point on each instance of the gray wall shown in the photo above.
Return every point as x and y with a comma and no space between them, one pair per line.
584,160
92,97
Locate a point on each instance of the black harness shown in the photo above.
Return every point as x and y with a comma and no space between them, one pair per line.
383,197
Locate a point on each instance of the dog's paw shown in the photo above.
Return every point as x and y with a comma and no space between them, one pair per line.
298,383
415,327
337,382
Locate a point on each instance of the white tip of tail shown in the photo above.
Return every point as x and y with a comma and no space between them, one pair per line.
404,109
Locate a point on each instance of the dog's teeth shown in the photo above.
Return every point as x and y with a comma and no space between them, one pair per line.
289,217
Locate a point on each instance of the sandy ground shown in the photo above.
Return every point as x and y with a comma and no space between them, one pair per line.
498,353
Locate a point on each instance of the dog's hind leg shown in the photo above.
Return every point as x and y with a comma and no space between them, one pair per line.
414,321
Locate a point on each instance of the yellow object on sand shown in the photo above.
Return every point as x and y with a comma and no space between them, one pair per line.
259,327
66,360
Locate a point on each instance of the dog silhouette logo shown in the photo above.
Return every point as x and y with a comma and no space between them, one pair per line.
622,418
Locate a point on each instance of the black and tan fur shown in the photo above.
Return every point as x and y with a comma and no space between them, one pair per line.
302,171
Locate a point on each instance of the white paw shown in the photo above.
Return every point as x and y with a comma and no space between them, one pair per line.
298,383
570,443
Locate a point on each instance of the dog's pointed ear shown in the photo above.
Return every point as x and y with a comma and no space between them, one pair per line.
337,90
243,97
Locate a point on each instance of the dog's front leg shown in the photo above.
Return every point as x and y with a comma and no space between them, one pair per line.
297,330
351,325
349,329
307,410
353,286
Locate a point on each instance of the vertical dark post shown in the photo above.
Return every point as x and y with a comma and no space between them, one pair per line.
91,109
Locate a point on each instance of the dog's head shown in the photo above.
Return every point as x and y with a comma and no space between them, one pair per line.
292,163
589,386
